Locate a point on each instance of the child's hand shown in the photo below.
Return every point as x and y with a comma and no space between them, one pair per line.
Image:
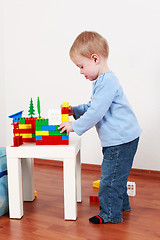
66,126
71,111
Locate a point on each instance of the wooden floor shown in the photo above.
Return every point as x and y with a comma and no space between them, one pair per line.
43,218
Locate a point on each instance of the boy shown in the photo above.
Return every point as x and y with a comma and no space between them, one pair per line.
115,122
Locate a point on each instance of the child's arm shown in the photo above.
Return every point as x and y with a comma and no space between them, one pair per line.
76,112
81,109
104,94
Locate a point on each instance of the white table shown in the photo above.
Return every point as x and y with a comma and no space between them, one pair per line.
70,154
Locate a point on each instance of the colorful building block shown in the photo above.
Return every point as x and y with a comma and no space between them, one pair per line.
96,184
17,141
42,133
65,118
16,116
131,189
64,110
65,104
25,126
94,198
38,138
54,116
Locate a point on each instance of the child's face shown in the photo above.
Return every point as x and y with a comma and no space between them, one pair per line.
87,66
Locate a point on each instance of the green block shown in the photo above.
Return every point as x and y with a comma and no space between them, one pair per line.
41,122
33,135
38,128
21,120
57,132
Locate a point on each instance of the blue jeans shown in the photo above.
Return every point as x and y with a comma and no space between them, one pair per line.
116,166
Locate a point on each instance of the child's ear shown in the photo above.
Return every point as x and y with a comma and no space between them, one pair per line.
95,58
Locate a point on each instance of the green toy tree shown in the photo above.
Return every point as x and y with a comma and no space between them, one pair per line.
39,107
31,109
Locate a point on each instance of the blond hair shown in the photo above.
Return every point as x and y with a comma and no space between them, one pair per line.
88,43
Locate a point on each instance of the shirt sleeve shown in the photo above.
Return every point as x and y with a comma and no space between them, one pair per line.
102,98
81,109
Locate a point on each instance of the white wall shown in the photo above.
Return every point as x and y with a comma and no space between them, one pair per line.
37,37
2,83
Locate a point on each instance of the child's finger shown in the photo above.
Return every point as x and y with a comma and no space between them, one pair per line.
61,125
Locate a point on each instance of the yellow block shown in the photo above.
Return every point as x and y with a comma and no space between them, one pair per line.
42,133
65,104
96,183
65,118
35,193
24,135
25,126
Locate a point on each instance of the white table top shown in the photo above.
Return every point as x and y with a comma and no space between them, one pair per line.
31,150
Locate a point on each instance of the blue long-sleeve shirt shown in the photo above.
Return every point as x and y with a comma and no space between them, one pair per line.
109,111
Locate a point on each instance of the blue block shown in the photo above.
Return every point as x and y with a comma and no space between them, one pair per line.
16,115
48,128
65,137
38,138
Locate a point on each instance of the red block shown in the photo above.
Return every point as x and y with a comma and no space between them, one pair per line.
30,120
23,131
94,198
28,139
17,141
52,140
64,110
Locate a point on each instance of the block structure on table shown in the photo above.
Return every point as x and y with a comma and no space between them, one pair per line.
38,130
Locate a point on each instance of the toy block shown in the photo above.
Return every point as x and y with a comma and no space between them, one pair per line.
35,194
96,184
29,135
94,198
65,118
54,133
25,126
131,189
30,120
38,138
17,141
48,128
52,140
54,116
21,120
65,104
28,139
66,137
38,128
23,131
64,110
42,133
16,116
41,122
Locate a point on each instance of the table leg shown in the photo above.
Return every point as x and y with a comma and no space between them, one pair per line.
70,191
15,187
78,177
28,181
